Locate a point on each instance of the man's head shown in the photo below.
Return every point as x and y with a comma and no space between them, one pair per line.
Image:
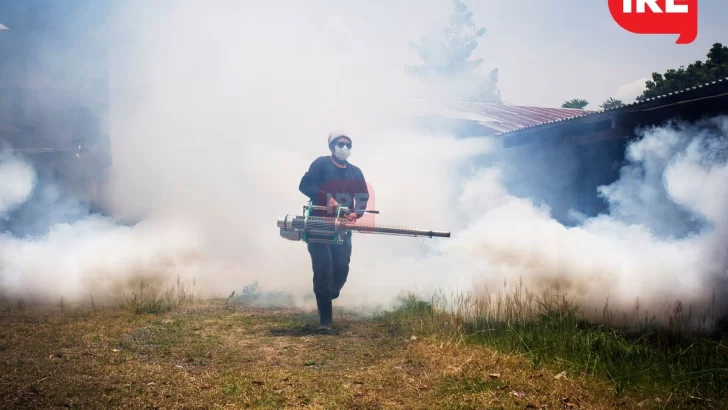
340,145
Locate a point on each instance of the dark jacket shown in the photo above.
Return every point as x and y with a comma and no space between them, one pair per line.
324,180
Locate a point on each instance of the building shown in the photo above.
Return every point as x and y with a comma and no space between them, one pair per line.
566,159
557,156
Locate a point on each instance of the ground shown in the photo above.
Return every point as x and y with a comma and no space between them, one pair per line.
212,355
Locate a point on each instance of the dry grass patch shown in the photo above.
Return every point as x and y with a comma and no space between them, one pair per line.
211,355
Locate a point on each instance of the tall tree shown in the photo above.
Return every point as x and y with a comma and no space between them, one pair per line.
446,54
575,103
714,68
611,103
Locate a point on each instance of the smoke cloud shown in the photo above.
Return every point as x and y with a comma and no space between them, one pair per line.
92,257
662,241
223,121
216,113
16,182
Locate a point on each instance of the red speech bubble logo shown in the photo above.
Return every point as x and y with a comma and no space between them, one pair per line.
658,17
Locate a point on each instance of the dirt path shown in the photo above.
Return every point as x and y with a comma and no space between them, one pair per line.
215,357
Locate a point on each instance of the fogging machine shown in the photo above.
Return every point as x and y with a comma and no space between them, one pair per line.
331,230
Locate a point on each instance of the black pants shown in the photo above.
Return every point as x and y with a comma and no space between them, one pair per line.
330,265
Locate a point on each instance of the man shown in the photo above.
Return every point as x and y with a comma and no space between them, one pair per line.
332,181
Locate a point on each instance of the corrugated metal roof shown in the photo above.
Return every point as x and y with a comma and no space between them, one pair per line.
622,107
504,118
498,118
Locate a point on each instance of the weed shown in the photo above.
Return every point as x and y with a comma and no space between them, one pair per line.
551,330
149,300
252,295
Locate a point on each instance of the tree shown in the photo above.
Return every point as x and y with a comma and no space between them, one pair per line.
575,103
714,68
446,55
487,90
611,103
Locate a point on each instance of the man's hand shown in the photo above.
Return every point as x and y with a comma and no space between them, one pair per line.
332,203
350,219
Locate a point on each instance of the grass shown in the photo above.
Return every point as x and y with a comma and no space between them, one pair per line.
149,299
206,355
688,367
173,349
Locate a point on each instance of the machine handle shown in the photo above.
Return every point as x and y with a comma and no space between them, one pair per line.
343,209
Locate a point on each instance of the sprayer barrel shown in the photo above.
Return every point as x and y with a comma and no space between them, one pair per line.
393,230
332,226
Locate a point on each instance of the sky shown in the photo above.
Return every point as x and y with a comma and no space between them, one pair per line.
545,54
577,50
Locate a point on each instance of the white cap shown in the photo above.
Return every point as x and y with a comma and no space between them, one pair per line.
337,134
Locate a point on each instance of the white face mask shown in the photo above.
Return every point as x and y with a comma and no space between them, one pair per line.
341,153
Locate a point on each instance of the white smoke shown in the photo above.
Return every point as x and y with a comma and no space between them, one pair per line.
663,240
16,182
223,121
212,129
91,257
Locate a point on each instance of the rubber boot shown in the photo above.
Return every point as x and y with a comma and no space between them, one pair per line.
325,309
